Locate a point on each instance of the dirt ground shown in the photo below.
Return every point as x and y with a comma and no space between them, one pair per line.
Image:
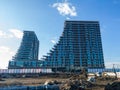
98,85
28,81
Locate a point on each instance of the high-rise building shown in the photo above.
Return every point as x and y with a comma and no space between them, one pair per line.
27,54
79,46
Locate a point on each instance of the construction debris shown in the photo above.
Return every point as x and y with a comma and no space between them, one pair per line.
113,86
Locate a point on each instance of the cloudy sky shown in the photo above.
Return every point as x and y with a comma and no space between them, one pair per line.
46,18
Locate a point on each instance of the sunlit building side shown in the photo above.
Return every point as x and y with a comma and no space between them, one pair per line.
78,47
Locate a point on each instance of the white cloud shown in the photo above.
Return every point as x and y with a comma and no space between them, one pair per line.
5,55
17,33
4,49
53,41
11,34
2,33
5,35
65,8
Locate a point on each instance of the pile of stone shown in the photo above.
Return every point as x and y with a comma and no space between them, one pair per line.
113,86
76,82
76,85
2,79
55,82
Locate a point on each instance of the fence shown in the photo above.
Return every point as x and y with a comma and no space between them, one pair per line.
104,70
21,71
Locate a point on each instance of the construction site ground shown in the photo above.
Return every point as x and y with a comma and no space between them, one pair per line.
64,81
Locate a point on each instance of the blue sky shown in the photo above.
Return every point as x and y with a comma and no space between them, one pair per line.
46,18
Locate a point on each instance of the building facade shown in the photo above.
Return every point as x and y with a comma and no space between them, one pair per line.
27,54
78,47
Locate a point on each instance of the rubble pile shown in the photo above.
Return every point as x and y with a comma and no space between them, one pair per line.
106,78
113,86
76,85
76,82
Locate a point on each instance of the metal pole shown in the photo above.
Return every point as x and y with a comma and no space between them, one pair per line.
114,71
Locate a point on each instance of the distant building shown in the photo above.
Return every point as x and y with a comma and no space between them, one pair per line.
78,47
27,54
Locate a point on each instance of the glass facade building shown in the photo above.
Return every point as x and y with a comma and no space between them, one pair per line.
79,46
27,54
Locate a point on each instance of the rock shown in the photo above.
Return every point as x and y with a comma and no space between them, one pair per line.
113,86
91,79
51,83
57,82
